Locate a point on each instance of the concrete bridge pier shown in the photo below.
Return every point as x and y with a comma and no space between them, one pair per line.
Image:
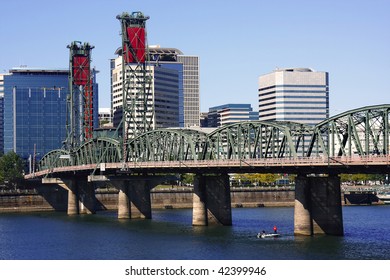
73,205
318,205
86,197
134,199
81,194
123,200
211,200
73,193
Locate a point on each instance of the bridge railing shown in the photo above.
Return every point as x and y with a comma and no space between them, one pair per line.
380,160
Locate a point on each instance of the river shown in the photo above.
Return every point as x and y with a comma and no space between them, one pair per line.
170,235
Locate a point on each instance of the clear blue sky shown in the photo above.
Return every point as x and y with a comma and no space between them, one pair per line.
236,41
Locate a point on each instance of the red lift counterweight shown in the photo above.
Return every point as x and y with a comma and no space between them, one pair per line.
80,103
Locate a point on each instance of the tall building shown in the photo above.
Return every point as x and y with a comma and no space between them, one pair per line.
163,98
174,89
35,110
228,114
294,94
2,112
188,67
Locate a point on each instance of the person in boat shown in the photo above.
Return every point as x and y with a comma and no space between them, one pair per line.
275,229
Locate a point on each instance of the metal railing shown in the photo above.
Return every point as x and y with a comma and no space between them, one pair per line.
230,163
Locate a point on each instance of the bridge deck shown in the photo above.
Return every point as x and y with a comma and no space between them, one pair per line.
367,164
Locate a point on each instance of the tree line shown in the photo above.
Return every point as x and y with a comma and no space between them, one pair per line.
11,171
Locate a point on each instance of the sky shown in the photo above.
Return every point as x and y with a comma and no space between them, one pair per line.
236,41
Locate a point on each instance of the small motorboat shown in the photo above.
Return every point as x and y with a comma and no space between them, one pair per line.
267,235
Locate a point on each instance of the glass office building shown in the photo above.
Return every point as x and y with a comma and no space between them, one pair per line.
2,113
35,111
229,113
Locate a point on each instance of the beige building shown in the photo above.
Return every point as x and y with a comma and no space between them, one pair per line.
294,94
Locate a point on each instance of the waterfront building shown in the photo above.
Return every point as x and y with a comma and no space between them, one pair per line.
230,113
35,110
294,94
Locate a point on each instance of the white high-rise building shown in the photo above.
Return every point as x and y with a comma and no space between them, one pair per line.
174,91
191,89
294,94
163,95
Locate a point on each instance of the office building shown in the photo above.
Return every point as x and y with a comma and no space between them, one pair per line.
228,114
105,117
162,106
174,91
188,67
294,94
2,112
35,110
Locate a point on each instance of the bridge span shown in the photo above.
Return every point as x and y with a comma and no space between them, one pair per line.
356,141
317,195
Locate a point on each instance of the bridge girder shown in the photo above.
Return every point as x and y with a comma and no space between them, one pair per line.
98,150
166,144
54,158
362,131
256,139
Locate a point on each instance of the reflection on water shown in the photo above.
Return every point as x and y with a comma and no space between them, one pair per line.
170,235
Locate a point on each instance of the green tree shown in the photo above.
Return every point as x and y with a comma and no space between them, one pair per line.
11,170
187,178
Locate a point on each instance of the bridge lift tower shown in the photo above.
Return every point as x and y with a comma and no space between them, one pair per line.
137,106
80,100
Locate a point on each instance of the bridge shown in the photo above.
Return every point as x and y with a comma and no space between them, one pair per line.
356,141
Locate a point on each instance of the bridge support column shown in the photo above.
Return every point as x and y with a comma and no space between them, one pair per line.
318,206
211,200
73,201
81,195
140,202
87,198
123,200
302,217
71,186
134,199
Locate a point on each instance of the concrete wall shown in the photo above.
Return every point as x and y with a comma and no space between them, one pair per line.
57,200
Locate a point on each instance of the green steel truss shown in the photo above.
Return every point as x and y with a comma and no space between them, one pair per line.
167,144
256,139
363,131
97,151
55,158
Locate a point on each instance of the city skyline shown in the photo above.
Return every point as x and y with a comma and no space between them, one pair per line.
242,40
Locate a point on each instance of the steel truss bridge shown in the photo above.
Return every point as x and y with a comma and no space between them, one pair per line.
350,142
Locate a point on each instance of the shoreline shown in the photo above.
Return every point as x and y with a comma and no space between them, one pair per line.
49,200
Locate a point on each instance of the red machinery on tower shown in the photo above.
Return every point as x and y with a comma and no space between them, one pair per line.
80,103
137,112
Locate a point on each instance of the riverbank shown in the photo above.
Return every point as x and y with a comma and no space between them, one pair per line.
56,199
